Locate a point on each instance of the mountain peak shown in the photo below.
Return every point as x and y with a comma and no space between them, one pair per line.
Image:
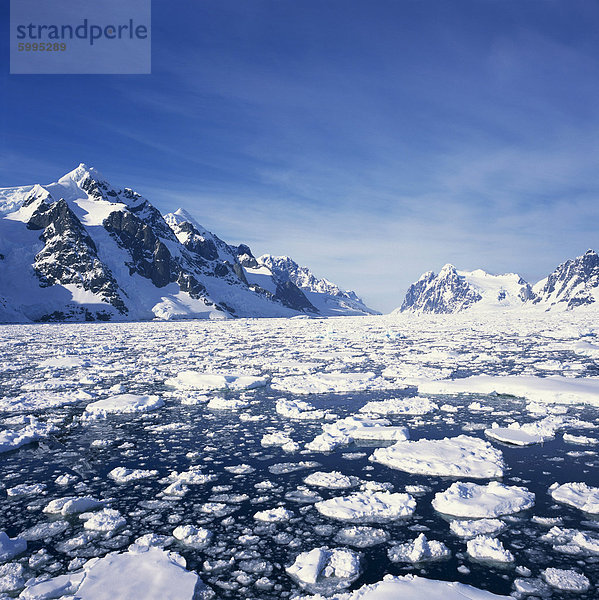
81,173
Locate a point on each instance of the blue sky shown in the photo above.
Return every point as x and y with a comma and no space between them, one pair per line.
371,141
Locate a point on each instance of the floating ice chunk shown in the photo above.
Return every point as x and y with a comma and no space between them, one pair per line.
513,435
363,427
220,403
547,521
583,440
401,406
417,490
461,456
412,374
303,495
291,467
121,404
327,383
368,507
579,495
325,570
177,489
300,410
274,515
11,578
42,531
25,489
554,388
153,540
566,580
325,442
192,380
217,509
281,440
73,504
108,519
529,433
470,529
572,541
192,476
242,469
65,479
246,417
332,480
471,500
65,362
57,587
152,574
198,537
125,475
11,547
420,550
532,587
351,429
486,548
11,439
361,536
413,587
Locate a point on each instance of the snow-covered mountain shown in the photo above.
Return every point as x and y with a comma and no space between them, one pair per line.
453,291
325,296
572,284
81,249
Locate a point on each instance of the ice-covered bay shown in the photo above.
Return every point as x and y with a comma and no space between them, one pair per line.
233,445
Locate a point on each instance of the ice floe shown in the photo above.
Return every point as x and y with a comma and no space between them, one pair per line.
566,580
125,475
471,528
205,382
368,507
361,536
11,547
419,550
554,388
107,519
415,588
71,505
300,410
324,570
461,456
333,480
465,499
573,541
401,406
274,515
577,494
11,439
328,383
121,404
153,574
190,535
486,548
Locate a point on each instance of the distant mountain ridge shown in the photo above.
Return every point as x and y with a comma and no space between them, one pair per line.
572,284
81,249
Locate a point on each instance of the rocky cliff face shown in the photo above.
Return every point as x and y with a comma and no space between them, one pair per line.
81,249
